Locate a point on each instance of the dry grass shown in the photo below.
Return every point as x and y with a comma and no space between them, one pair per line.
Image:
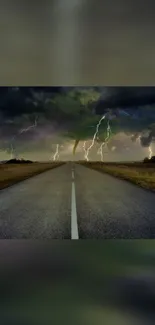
138,173
14,173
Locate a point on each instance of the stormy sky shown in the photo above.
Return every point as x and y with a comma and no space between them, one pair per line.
77,42
37,121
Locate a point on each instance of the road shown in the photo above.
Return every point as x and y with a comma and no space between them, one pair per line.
75,202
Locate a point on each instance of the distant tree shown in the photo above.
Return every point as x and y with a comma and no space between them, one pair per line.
19,161
146,160
150,161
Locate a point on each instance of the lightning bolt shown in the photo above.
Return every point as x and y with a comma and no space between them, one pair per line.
56,155
94,137
29,127
149,149
100,151
85,151
150,152
20,132
138,139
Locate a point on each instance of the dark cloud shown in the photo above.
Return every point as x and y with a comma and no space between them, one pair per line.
126,97
146,141
16,101
69,114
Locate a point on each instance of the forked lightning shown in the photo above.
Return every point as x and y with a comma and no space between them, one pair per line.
94,137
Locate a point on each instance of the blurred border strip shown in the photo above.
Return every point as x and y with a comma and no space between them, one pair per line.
77,42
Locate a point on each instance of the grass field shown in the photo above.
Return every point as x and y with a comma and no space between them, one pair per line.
14,173
138,173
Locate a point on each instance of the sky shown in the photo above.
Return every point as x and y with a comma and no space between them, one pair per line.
47,123
77,42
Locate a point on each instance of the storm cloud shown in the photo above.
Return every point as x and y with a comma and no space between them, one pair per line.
126,97
36,119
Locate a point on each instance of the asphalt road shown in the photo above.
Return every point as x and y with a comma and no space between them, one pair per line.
75,202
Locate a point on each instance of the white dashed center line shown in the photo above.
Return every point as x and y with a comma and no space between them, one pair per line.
74,225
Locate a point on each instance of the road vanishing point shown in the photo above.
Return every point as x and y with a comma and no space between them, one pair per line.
76,202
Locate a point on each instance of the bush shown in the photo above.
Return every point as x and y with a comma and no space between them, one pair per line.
150,161
146,160
18,161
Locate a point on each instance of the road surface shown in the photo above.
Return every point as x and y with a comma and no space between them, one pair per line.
75,202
